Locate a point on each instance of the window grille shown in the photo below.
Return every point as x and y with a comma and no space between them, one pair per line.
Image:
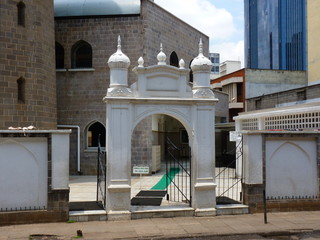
249,124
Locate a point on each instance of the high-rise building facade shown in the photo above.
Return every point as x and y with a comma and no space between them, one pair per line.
215,60
275,34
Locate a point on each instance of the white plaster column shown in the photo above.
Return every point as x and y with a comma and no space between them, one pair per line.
252,159
118,137
118,146
203,152
203,161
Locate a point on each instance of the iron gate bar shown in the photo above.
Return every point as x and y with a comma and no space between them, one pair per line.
179,189
230,186
101,177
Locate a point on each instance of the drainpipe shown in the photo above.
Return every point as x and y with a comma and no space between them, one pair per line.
78,142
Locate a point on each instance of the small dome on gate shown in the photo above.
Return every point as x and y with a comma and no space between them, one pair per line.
119,59
201,63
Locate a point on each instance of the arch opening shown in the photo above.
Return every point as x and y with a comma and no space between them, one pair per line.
95,132
81,54
160,143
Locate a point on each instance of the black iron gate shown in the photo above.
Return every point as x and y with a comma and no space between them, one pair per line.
178,173
229,176
101,177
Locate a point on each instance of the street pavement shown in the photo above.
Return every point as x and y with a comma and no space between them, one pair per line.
292,225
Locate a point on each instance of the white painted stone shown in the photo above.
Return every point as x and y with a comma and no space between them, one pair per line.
252,157
162,89
291,167
60,161
23,169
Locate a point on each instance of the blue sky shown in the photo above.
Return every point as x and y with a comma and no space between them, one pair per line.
221,20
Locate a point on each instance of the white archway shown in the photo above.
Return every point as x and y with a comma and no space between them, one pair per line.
160,89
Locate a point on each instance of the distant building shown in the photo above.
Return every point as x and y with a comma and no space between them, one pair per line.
215,59
275,34
229,66
313,26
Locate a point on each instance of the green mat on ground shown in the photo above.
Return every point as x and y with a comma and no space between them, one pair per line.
163,182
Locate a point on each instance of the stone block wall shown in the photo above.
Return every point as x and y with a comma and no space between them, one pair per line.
141,144
27,53
298,95
160,26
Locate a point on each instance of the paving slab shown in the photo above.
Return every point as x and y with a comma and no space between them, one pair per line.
178,228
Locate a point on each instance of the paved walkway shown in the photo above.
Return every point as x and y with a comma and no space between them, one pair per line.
181,228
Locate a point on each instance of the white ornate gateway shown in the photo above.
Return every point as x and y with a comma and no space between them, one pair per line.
160,89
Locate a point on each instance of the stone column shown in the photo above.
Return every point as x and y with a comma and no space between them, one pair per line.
118,138
203,151
203,161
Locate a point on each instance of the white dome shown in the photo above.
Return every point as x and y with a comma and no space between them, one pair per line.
119,59
201,63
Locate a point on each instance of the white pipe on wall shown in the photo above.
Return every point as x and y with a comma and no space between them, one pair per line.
78,142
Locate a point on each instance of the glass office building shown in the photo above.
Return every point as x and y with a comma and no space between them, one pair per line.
275,34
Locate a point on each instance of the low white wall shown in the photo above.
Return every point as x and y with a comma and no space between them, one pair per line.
290,163
60,161
23,173
291,167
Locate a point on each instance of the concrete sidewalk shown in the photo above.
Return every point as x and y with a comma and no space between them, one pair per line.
166,228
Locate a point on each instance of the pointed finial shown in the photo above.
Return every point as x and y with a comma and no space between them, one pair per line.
119,43
140,62
200,46
182,64
161,57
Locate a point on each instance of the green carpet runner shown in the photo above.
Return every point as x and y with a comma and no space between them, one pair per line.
166,179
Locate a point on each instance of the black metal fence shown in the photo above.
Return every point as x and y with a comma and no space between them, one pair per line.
178,173
101,176
229,183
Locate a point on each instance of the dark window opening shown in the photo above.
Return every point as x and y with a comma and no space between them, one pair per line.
174,61
59,56
94,131
21,90
81,55
21,13
190,73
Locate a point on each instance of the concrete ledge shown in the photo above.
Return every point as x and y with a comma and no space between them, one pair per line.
205,212
162,213
119,215
232,209
85,216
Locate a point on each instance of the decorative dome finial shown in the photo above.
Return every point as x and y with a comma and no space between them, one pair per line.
119,59
119,43
161,57
200,46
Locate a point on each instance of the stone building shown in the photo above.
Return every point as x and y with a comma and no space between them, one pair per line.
84,43
27,75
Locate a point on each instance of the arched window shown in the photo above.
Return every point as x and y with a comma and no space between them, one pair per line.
21,89
59,56
190,73
174,61
81,55
21,13
95,130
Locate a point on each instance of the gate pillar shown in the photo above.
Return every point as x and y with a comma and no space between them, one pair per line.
203,146
118,138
